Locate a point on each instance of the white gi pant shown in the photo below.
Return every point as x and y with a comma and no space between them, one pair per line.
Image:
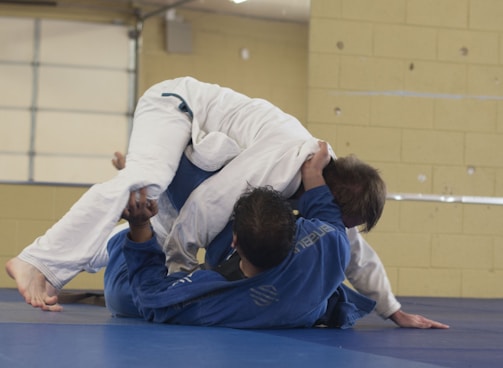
250,140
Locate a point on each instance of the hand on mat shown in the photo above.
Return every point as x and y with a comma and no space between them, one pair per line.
407,320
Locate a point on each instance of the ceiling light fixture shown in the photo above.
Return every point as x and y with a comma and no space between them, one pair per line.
238,1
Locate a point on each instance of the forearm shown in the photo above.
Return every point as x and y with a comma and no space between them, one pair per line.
323,208
312,179
144,257
312,168
140,233
317,203
155,294
150,286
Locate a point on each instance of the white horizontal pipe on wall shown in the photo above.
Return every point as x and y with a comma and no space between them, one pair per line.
445,198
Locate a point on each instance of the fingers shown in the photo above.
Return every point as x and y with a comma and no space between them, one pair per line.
139,206
435,324
154,208
143,196
119,161
323,152
321,158
323,146
423,322
407,320
131,202
138,199
141,200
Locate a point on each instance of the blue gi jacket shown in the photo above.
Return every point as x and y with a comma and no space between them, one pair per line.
305,289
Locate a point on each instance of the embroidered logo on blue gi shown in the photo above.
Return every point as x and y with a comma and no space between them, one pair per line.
264,295
312,237
184,280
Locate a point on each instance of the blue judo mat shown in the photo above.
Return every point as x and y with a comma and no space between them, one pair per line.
85,335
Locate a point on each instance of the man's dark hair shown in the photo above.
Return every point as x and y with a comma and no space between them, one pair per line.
264,225
357,188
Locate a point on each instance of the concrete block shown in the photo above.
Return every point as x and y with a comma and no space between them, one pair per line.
402,249
463,180
432,78
480,219
438,13
402,111
324,70
339,107
432,147
466,115
468,46
431,217
484,149
482,284
363,142
405,42
340,37
486,15
407,178
392,11
326,9
462,251
484,82
429,282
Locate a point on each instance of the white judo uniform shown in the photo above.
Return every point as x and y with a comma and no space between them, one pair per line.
249,140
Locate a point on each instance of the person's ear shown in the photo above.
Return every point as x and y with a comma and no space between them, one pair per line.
234,243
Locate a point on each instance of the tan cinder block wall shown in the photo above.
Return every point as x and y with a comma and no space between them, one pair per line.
415,87
27,211
276,70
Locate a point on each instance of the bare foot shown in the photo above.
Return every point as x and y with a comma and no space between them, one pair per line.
33,286
119,161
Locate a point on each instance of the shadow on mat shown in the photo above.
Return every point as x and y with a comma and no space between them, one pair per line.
95,297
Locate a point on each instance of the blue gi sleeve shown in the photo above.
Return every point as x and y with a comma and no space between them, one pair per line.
344,306
147,269
322,231
158,296
149,259
318,203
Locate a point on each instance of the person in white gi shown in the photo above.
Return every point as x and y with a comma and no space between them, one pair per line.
249,140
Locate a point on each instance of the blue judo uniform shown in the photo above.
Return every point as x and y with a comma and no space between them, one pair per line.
304,290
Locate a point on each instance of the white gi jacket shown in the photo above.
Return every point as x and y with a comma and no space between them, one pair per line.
251,141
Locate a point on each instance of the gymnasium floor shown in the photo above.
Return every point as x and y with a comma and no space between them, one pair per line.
84,335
